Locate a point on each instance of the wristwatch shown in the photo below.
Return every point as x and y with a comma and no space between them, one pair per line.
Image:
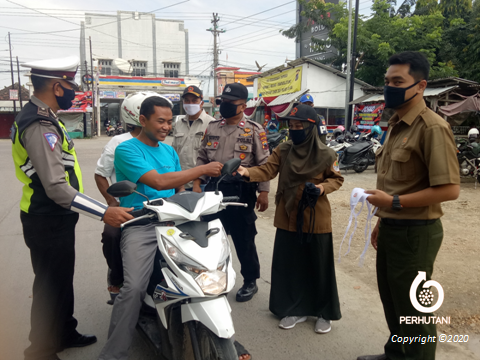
396,203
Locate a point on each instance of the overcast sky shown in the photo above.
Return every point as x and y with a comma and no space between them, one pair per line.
243,42
252,29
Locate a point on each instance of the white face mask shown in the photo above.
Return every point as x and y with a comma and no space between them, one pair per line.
358,196
192,109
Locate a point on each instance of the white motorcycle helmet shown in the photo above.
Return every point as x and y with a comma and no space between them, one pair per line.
130,109
473,134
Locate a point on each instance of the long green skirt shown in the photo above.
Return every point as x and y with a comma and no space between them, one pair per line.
303,277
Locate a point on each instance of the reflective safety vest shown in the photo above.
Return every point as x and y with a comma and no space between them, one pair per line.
34,198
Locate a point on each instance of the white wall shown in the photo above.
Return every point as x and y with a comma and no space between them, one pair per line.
137,39
327,88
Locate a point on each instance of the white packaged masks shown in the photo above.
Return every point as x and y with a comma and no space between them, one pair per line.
358,196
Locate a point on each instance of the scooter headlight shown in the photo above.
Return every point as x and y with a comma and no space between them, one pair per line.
212,282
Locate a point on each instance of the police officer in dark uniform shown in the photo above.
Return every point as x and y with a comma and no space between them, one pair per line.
234,136
46,163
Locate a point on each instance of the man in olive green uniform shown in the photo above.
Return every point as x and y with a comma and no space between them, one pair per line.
235,136
417,171
46,163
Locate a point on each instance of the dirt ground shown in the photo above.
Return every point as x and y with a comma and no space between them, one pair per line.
457,266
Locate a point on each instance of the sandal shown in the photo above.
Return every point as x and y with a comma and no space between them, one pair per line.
241,351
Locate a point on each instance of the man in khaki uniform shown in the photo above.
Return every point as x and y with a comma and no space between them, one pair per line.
189,129
417,171
235,136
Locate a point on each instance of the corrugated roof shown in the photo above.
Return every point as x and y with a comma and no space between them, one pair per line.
379,97
301,61
287,98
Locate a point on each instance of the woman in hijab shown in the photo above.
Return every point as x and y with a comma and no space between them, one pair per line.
303,271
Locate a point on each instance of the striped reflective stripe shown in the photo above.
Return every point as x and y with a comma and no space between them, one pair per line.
28,168
68,159
84,204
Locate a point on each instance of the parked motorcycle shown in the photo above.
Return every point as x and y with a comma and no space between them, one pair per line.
119,130
110,130
468,155
360,155
275,139
186,310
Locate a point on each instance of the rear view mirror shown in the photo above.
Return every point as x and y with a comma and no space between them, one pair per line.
231,166
122,188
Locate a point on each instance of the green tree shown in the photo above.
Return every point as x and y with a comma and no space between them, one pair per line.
381,36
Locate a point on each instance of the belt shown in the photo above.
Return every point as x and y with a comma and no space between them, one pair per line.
408,222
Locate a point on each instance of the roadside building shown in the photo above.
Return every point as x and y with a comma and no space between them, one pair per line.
135,51
7,113
279,89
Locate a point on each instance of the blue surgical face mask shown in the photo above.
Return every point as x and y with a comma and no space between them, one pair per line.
65,102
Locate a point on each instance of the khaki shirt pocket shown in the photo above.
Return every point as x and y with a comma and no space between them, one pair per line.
402,168
211,150
177,140
244,153
378,158
197,141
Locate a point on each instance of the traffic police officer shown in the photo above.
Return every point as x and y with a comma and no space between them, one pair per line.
307,99
189,129
417,171
235,136
46,163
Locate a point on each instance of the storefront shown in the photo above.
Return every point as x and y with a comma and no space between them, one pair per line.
78,119
114,89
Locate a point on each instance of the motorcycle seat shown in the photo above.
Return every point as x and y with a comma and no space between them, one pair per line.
186,199
358,147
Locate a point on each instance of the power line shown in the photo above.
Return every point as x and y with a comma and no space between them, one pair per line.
261,12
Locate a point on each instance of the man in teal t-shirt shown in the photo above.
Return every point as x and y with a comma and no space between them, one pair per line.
133,159
155,168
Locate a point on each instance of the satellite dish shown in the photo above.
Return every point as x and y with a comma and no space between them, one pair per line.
123,65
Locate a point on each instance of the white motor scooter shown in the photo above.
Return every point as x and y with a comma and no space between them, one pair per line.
186,314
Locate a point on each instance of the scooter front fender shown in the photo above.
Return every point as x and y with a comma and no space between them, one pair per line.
215,314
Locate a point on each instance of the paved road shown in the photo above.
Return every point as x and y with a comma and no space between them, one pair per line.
362,329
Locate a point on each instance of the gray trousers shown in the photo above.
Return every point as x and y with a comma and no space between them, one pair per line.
138,246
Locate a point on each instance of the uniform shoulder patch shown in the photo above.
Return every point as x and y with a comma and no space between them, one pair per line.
45,122
336,167
43,112
52,140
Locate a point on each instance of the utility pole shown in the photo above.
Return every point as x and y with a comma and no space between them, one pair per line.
215,33
86,73
349,56
354,58
11,70
95,115
19,85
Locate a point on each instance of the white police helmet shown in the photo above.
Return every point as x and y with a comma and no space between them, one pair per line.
130,109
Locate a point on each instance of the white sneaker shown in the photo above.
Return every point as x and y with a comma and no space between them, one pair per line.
288,322
323,326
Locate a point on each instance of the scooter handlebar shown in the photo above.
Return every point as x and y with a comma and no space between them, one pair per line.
230,199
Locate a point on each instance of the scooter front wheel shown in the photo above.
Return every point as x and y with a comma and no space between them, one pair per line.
210,346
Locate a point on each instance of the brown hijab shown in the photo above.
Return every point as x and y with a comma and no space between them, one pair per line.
302,162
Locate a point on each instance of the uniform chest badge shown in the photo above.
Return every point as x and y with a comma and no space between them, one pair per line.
222,123
242,156
215,144
242,123
209,143
243,147
247,130
245,135
404,140
42,112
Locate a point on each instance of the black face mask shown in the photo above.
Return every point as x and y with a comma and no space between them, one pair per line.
297,136
395,97
65,102
228,110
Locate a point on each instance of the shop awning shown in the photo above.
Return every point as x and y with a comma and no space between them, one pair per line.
470,104
284,103
379,97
